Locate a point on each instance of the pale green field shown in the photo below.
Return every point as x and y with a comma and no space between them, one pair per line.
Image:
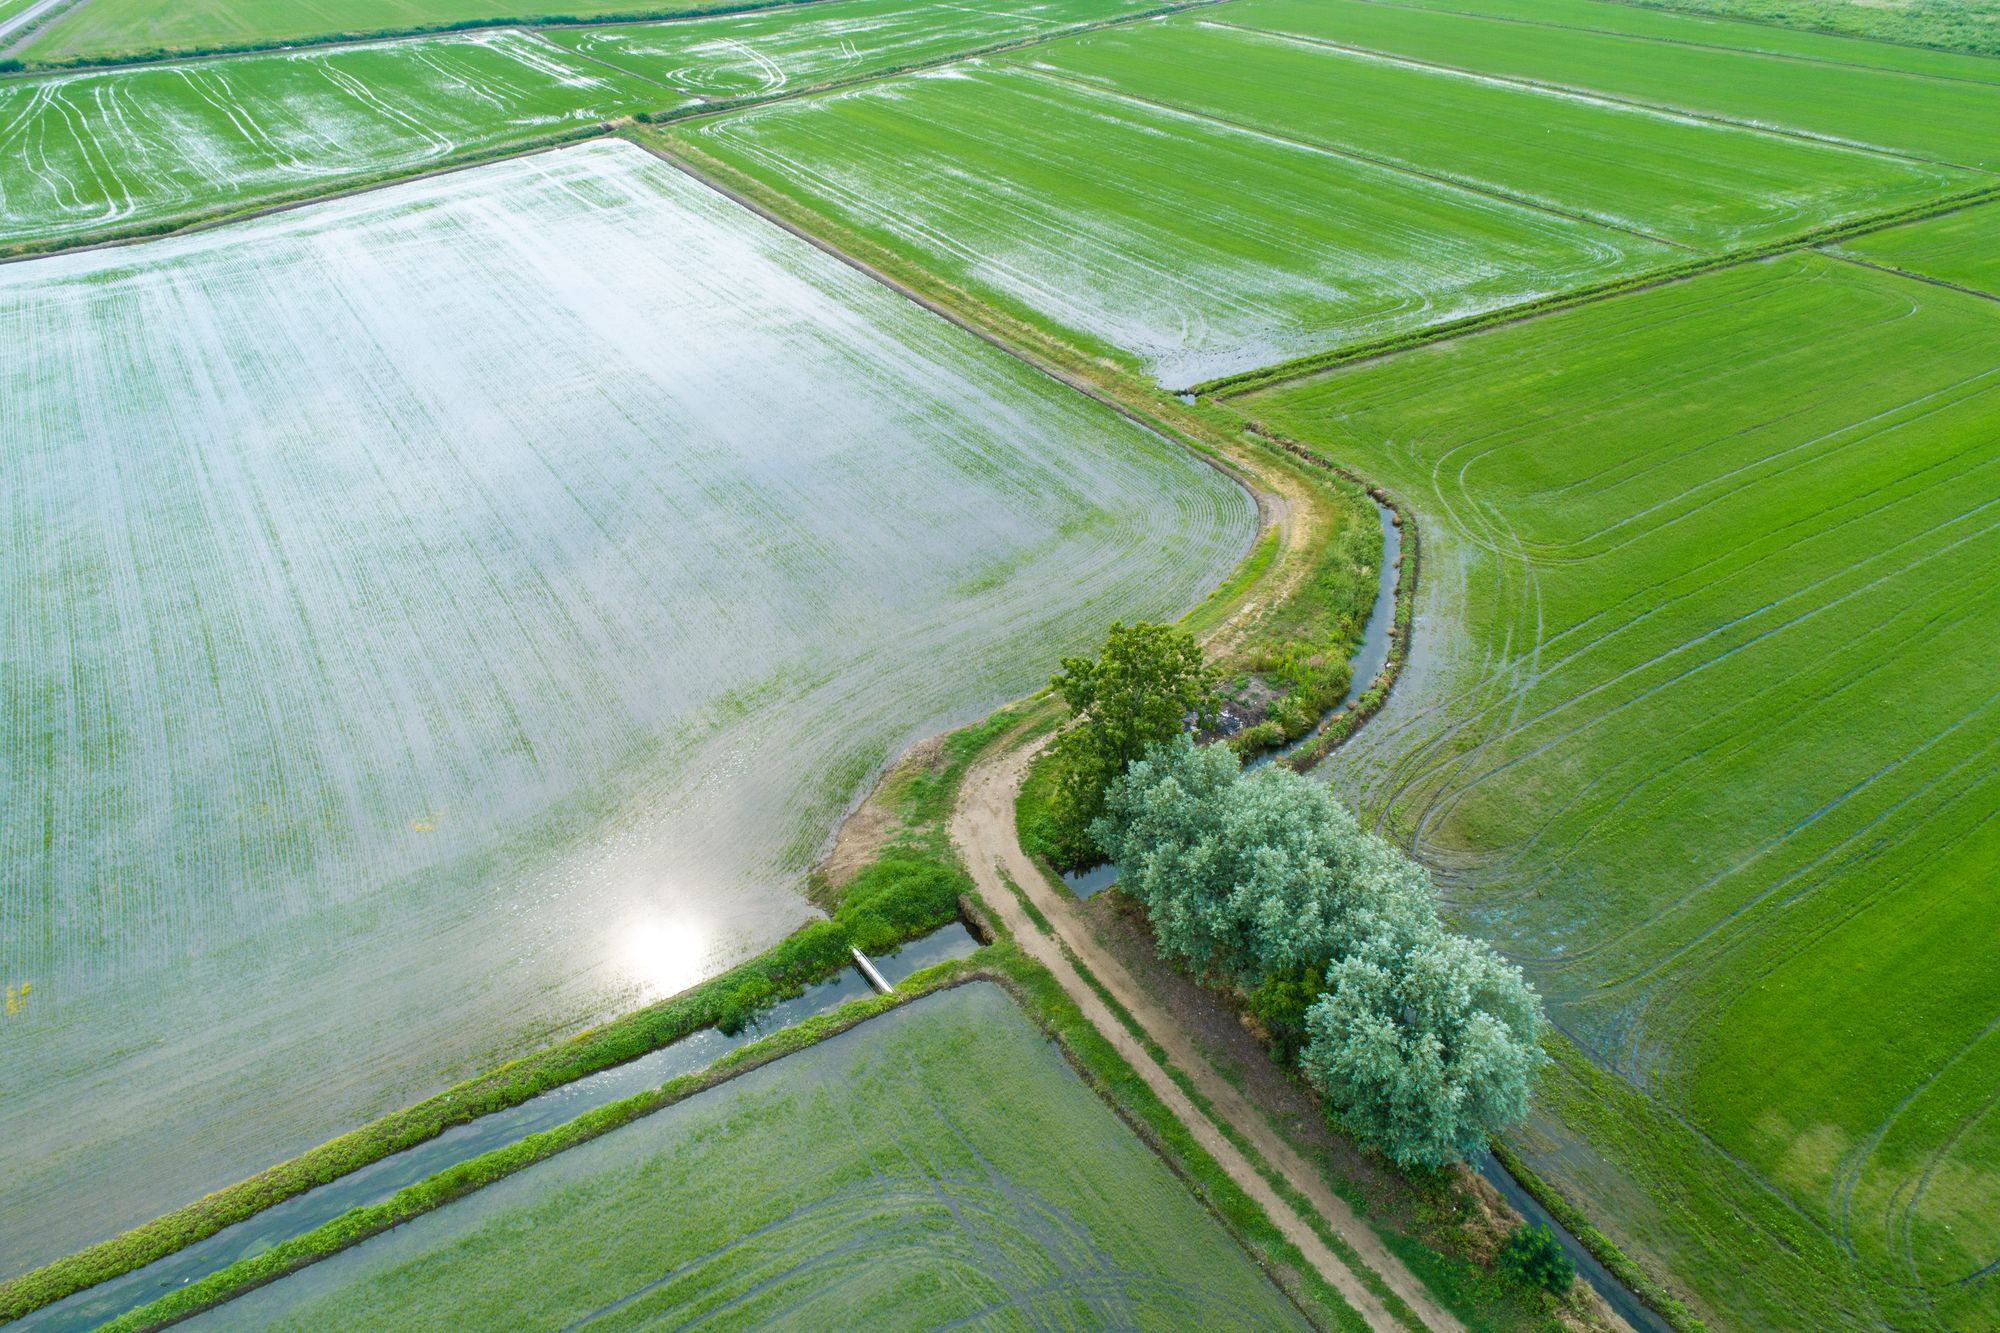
1699,184
83,155
1961,247
1166,241
1701,728
940,1166
1939,119
453,614
762,53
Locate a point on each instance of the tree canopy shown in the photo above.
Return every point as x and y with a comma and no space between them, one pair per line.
1147,685
1421,1042
1424,1044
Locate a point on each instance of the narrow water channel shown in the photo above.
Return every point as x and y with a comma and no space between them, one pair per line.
379,1181
1622,1299
1370,656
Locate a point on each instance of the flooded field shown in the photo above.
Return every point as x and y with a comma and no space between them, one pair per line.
109,151
446,616
939,1164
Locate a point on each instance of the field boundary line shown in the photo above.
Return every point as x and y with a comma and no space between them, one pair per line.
445,1187
412,32
1353,154
1847,258
1577,90
395,36
1248,382
1061,376
200,220
189,224
1711,46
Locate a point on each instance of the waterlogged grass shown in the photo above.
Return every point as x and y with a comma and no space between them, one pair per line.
113,151
121,29
1700,184
1961,247
1147,236
1946,120
763,53
488,573
941,1162
1701,729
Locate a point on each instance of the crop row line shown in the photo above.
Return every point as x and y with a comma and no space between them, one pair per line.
1596,94
1789,56
1350,153
1252,381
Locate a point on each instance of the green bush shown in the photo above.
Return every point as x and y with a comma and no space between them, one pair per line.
1534,1257
1280,1005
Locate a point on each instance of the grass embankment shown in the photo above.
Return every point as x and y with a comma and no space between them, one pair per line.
1038,994
916,854
1717,759
903,896
941,1162
910,889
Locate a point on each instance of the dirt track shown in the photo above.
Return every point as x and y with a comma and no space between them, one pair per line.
983,829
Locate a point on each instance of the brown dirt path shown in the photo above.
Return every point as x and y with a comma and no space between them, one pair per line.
983,829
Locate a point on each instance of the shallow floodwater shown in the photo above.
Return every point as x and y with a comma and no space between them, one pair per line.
379,1181
444,617
941,1165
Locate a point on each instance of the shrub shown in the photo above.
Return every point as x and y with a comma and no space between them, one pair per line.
1279,1005
1145,686
1533,1257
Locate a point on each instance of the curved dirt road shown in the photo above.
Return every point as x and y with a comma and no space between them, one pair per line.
983,829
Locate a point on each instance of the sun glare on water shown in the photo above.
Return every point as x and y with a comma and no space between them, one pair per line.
663,955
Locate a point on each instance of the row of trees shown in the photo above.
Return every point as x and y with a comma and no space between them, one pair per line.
1421,1042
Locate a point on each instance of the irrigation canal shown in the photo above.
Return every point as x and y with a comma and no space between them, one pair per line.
379,1181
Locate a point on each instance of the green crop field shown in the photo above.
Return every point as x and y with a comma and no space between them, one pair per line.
1958,25
1702,728
88,154
96,29
938,1166
761,53
1961,247
1675,21
1698,184
445,616
1946,119
1153,236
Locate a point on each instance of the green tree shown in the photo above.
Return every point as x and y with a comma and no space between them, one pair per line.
1534,1257
1146,686
1425,1043
1243,876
